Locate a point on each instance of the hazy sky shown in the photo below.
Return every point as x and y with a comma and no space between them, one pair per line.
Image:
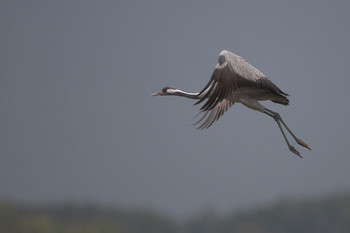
78,123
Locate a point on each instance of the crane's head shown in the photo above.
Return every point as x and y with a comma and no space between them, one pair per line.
165,91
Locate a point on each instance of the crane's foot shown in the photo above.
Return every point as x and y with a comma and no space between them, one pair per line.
300,142
292,149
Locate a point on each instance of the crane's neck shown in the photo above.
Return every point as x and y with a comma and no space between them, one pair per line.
184,94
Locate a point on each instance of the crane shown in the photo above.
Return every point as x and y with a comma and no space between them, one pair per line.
236,81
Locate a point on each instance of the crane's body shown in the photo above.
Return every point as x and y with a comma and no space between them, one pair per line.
236,81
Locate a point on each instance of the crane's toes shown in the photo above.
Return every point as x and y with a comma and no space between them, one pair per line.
300,142
292,149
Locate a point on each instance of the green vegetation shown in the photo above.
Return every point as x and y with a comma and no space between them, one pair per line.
330,214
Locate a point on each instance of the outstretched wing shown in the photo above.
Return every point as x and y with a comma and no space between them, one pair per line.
226,80
210,116
220,86
231,74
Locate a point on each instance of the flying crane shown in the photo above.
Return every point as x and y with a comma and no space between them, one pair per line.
236,81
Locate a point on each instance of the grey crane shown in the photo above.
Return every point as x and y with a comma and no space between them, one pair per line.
236,81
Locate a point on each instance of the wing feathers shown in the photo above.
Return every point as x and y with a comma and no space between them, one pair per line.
222,83
265,83
214,114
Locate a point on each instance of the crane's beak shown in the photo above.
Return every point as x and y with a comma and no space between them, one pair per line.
157,93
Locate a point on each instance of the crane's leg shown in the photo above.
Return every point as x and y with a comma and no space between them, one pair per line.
291,148
299,141
254,104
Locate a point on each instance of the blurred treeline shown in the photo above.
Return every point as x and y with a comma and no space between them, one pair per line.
328,214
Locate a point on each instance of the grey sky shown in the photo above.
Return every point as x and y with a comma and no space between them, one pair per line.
78,123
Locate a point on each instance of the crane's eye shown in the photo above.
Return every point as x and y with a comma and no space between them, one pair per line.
221,59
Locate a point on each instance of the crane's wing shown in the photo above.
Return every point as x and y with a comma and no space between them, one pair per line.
228,77
214,114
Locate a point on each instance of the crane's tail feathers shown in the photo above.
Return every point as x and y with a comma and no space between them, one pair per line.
280,99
